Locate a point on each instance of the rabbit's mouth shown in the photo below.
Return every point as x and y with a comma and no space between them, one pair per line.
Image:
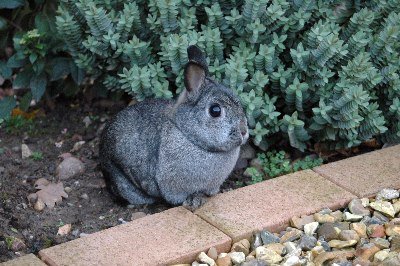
245,137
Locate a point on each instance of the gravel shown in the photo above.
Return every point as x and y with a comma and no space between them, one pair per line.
366,232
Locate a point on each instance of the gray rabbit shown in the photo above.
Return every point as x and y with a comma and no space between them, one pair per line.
180,151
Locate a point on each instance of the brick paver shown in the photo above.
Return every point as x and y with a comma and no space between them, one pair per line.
173,236
270,205
27,260
366,174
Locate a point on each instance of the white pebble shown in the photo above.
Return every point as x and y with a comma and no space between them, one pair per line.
387,194
206,259
291,261
237,257
310,228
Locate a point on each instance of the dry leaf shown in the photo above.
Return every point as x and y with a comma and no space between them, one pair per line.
64,230
41,183
50,193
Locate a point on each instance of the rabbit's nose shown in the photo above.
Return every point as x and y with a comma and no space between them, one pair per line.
243,128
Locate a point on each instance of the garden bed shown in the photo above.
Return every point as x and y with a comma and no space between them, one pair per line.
89,207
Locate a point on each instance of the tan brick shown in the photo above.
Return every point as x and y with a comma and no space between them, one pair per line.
270,204
172,236
366,174
27,260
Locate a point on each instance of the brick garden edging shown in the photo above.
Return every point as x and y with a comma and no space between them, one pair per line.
177,235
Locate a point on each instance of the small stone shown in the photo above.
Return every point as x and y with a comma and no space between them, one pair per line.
376,230
346,235
224,261
2,169
323,257
311,228
381,243
396,207
324,218
206,259
137,215
341,244
213,253
393,227
17,244
32,198
384,207
367,220
291,235
277,247
255,262
256,241
64,230
365,202
360,228
307,242
387,194
68,190
321,242
367,252
77,146
237,257
391,261
292,261
25,151
39,205
325,211
356,207
361,262
328,231
379,216
87,121
381,256
395,243
241,246
343,262
268,237
299,222
292,249
315,251
268,255
223,254
342,225
122,221
352,217
69,167
338,215
84,196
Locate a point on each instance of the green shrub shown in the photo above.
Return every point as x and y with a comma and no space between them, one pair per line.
273,164
308,71
17,124
37,156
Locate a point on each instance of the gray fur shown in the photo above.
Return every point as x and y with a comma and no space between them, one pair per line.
176,151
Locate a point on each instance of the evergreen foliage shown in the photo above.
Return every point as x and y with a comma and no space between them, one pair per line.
313,71
310,71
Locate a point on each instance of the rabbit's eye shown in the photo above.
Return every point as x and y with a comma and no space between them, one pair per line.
215,110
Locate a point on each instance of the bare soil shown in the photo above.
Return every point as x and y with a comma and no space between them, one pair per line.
87,214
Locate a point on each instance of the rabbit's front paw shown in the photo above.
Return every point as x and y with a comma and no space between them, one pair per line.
195,201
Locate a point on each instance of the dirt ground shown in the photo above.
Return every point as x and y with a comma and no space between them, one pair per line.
89,206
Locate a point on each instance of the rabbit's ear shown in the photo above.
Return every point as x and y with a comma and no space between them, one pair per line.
195,70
